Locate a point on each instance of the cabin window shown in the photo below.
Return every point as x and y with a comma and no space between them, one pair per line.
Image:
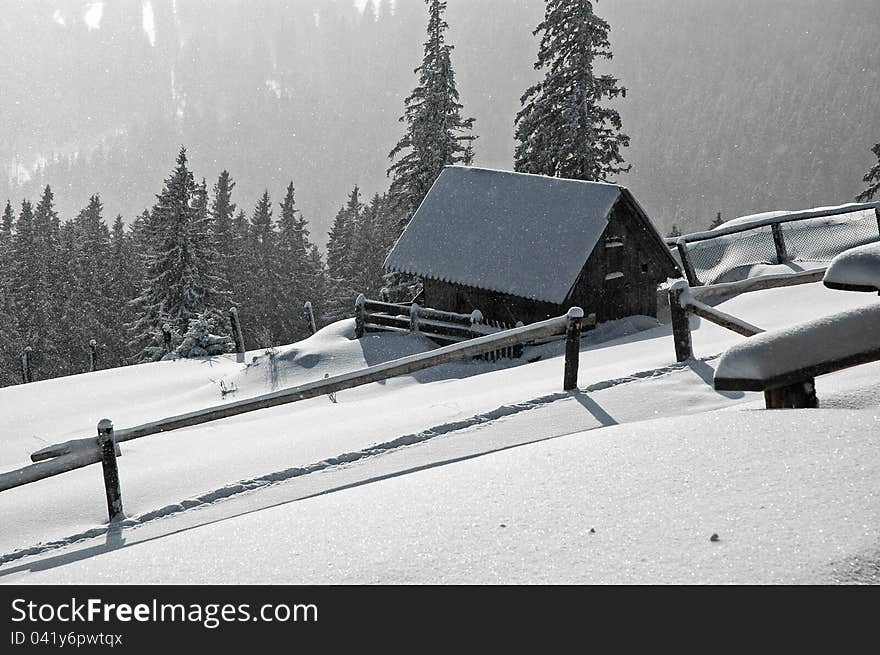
614,258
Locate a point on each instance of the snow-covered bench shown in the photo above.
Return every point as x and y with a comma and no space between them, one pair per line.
784,363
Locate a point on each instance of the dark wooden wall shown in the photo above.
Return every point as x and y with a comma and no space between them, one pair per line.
636,258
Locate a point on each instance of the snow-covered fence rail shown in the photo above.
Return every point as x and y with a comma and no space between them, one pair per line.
729,289
784,363
74,455
441,326
776,240
70,455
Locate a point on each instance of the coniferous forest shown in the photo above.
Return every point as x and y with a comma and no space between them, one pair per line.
333,99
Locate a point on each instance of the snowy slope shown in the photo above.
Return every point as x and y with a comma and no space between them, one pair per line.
457,411
791,495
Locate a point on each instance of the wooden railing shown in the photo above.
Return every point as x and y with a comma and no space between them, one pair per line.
681,243
441,326
71,455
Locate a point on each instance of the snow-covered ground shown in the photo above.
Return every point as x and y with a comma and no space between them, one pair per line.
475,472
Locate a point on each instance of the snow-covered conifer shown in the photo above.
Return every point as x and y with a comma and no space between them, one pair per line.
201,339
563,128
181,277
872,178
436,133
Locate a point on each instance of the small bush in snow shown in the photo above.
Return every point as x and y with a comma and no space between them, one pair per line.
200,340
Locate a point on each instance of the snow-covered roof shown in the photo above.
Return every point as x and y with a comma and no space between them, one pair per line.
515,233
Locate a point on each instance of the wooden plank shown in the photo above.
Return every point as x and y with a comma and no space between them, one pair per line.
386,307
723,319
72,447
449,338
56,466
390,321
729,289
373,327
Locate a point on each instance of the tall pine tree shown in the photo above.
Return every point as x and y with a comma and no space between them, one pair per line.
299,276
563,128
872,178
222,223
260,314
341,265
180,282
436,134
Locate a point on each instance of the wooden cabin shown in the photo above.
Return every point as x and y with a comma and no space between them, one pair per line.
522,247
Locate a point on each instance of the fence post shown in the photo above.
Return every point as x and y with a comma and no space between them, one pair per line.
166,337
414,318
360,316
235,323
311,314
575,317
93,355
779,242
26,365
689,271
107,443
518,348
681,327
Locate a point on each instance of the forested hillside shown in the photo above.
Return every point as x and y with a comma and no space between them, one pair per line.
731,107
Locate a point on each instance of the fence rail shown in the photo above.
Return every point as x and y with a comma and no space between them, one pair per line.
441,326
705,256
77,453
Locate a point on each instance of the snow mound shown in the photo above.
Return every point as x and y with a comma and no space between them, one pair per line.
857,269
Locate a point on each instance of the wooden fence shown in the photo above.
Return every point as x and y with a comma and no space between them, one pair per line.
440,326
681,243
685,300
71,455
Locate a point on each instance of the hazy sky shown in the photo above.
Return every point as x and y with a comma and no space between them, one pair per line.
731,107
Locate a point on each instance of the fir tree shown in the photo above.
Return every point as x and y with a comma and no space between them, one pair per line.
6,223
86,310
563,130
200,339
180,283
872,178
341,266
371,244
436,134
124,274
297,272
259,312
222,218
49,279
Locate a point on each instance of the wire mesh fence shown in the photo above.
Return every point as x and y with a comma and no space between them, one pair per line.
808,242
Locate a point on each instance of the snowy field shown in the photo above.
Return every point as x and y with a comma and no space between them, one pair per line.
474,472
